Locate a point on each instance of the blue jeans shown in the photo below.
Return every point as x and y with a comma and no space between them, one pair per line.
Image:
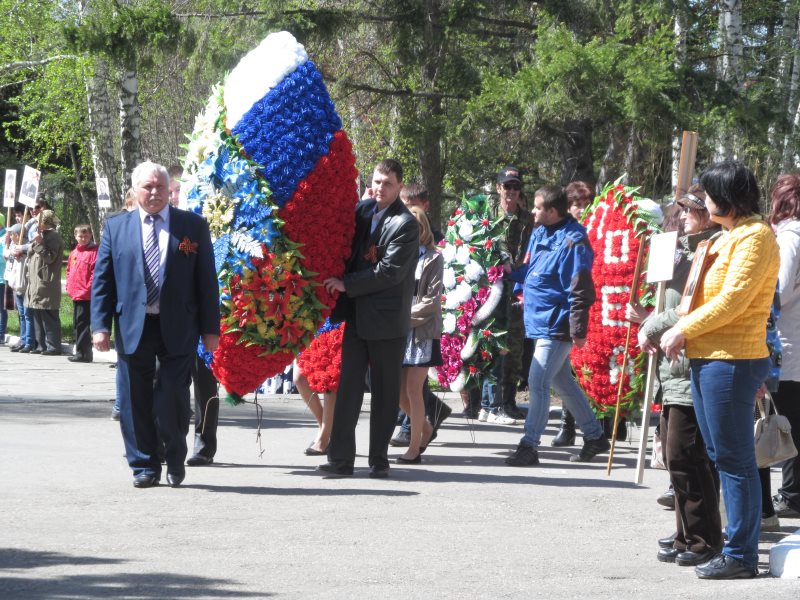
550,367
25,335
491,390
30,329
724,394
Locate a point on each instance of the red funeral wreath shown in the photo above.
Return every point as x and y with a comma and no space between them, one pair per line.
612,223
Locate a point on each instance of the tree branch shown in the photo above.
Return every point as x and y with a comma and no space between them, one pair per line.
30,64
406,92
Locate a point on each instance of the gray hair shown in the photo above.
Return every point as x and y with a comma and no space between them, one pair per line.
146,168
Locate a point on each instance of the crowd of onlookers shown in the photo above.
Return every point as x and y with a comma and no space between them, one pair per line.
32,260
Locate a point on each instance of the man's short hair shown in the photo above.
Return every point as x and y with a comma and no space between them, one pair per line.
83,228
146,168
389,165
553,196
175,172
414,191
42,203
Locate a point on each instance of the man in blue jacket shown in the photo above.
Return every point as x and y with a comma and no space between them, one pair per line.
155,281
557,293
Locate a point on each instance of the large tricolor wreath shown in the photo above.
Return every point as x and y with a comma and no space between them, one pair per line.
473,288
616,224
271,170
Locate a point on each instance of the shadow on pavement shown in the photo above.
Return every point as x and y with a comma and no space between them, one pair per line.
115,585
269,491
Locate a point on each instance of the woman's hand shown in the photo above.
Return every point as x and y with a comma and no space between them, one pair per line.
672,342
645,344
636,313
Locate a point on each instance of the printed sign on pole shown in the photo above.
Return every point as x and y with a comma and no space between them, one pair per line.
30,186
103,197
661,260
10,191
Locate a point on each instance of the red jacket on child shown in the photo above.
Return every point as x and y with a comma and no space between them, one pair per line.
80,271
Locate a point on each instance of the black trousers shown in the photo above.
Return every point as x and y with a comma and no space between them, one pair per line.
206,409
47,328
81,321
385,360
694,480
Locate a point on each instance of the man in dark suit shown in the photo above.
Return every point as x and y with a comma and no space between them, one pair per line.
155,280
377,288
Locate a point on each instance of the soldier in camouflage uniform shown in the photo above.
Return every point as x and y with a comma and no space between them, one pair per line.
498,402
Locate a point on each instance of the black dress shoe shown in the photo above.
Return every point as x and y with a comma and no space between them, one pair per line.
175,479
378,472
692,559
311,451
334,471
36,351
81,359
409,461
723,566
667,554
666,542
17,348
145,481
51,353
198,460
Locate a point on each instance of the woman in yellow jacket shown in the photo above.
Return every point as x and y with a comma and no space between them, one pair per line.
725,338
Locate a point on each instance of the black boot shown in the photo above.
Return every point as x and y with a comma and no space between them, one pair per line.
566,435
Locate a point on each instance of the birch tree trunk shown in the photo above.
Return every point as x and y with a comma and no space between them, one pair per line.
129,123
793,59
730,64
101,131
679,29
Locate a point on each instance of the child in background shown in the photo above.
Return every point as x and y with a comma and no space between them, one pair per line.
80,272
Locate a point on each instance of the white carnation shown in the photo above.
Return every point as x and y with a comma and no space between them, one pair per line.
449,323
473,271
462,292
449,278
448,253
462,255
465,230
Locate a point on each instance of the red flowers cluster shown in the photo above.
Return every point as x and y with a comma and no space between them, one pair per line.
321,362
320,216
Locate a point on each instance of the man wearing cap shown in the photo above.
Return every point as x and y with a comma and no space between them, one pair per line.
498,402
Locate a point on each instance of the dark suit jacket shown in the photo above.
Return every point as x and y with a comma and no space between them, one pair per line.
381,286
189,301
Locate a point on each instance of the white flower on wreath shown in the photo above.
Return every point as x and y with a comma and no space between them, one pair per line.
449,323
462,292
462,255
449,278
473,271
466,230
448,253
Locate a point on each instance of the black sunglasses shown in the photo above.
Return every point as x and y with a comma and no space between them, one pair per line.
512,186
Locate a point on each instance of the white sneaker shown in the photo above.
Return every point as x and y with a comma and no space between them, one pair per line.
483,416
770,524
500,418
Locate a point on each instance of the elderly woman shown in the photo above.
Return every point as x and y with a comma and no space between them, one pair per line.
724,336
698,536
785,219
44,284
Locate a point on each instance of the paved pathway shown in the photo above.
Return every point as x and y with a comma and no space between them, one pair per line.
461,525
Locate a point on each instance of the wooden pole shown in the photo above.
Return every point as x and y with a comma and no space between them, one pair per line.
685,176
634,300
